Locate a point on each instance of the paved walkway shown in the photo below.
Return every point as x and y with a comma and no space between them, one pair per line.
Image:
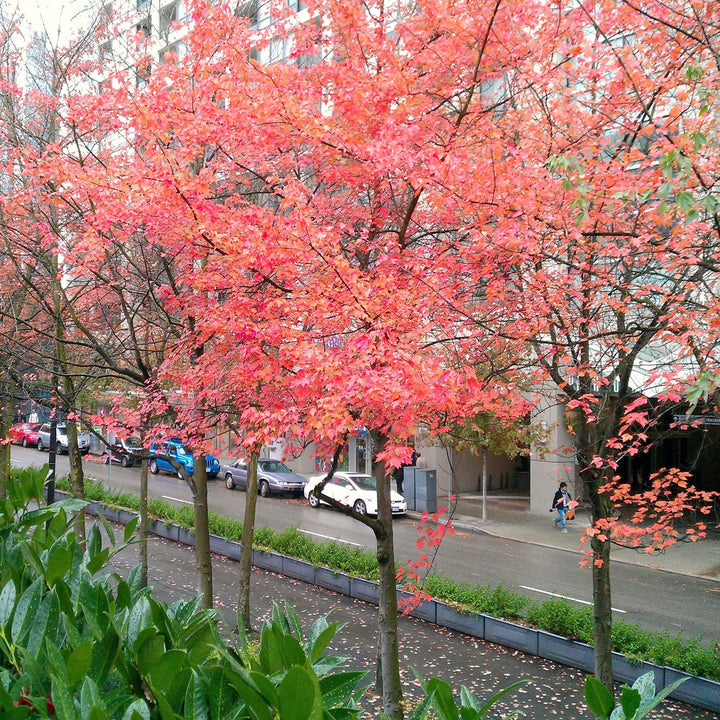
509,516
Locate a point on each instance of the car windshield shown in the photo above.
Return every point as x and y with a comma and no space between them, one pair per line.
364,482
274,466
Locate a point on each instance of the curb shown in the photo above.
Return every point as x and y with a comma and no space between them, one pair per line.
697,691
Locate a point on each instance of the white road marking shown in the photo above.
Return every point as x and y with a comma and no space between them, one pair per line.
330,537
170,497
565,597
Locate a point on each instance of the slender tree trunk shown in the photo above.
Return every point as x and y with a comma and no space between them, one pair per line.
389,686
143,517
243,611
602,613
203,560
77,477
6,417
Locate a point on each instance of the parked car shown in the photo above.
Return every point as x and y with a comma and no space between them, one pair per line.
177,450
61,439
273,477
126,451
24,433
356,490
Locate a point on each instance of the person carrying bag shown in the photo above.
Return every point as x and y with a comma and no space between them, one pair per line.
561,505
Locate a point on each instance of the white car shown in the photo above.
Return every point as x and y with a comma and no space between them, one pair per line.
356,490
61,439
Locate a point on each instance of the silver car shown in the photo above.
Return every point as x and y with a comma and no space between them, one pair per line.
61,440
273,477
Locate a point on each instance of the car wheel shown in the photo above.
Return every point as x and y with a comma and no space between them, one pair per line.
125,462
360,507
229,482
264,488
314,500
24,442
154,469
40,445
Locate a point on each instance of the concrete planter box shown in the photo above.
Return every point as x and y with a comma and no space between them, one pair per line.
628,672
298,569
126,516
365,590
468,623
511,635
565,651
163,529
186,536
220,545
335,581
267,560
697,690
425,610
233,550
112,514
93,508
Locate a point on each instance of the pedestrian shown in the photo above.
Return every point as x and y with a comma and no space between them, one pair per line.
561,503
398,473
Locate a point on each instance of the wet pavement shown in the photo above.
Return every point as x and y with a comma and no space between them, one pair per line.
509,516
485,668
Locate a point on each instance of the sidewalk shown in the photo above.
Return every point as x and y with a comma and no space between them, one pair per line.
509,516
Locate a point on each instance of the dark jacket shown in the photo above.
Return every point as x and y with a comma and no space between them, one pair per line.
561,499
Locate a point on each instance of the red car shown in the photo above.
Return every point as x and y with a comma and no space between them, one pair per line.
24,434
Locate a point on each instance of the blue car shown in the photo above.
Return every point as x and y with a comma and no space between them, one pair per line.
176,450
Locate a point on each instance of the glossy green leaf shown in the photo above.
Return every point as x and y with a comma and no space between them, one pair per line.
166,668
45,623
78,663
336,688
63,700
299,696
443,701
195,705
27,607
8,597
137,710
323,640
599,699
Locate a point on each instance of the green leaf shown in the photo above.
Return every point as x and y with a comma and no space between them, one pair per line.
322,641
25,611
443,702
336,688
44,624
104,653
629,701
64,706
137,710
7,602
149,652
78,663
599,699
195,706
92,705
299,696
166,668
130,529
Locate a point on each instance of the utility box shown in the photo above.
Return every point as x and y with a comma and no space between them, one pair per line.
420,489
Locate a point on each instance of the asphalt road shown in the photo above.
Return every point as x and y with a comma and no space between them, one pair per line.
651,598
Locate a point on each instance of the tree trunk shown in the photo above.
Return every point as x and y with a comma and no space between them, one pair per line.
389,686
143,530
6,417
251,493
77,478
602,613
203,561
